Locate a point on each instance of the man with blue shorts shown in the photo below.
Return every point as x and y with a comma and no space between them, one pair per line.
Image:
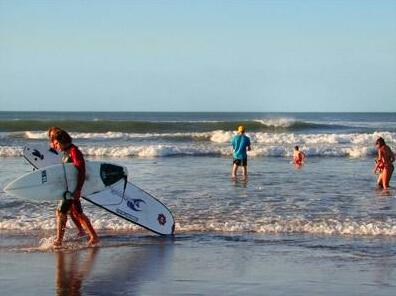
240,144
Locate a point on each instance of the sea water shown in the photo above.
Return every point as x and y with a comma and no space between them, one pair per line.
184,159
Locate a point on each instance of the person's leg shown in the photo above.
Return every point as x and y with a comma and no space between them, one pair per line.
234,170
388,171
83,219
73,216
390,174
61,219
379,181
244,170
93,237
385,178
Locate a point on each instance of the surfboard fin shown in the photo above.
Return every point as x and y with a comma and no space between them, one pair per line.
125,185
111,173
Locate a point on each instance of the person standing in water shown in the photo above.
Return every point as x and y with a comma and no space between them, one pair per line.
240,144
69,204
298,157
73,214
384,163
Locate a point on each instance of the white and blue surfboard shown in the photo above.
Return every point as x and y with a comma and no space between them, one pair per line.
121,198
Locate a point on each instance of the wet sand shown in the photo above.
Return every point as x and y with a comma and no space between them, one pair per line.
198,264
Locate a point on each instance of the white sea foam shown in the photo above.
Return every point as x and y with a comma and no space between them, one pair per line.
333,226
154,151
220,136
217,143
296,225
277,122
8,151
161,150
36,135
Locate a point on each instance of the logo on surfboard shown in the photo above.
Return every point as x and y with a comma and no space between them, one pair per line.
43,177
134,204
161,219
37,154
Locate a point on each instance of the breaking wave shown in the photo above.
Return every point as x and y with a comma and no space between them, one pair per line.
124,126
221,136
40,217
202,150
214,143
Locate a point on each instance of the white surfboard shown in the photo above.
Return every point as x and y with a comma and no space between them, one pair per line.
51,183
135,205
122,199
41,156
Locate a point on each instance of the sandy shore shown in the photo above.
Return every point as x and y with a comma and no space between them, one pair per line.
195,264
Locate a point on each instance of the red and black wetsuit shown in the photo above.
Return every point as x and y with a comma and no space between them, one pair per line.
77,159
75,156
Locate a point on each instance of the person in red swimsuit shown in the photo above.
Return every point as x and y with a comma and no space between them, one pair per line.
298,157
384,163
63,142
73,215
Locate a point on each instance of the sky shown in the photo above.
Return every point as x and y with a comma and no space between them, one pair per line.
234,56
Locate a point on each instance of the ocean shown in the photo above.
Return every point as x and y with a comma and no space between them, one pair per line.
328,212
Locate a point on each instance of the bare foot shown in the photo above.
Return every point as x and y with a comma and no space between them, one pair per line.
57,244
93,242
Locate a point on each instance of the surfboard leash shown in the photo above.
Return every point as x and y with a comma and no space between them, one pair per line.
125,185
67,195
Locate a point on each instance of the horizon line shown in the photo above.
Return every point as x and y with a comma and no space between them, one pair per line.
140,111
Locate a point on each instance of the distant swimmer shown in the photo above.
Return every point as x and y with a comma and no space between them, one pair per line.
298,156
384,163
240,144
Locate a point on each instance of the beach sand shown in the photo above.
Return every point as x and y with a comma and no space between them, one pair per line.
197,264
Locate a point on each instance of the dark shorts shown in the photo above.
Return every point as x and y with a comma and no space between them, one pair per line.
66,205
240,162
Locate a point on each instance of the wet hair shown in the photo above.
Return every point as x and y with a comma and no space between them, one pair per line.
63,138
296,148
380,141
53,129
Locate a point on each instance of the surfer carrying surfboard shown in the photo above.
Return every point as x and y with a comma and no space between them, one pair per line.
240,144
384,163
73,215
71,202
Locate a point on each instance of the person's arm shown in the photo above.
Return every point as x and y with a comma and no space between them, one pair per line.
249,146
233,143
79,163
378,161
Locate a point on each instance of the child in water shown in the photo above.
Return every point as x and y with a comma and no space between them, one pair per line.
240,144
384,163
298,157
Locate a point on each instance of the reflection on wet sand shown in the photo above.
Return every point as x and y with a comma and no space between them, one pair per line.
128,268
240,182
121,270
383,273
72,269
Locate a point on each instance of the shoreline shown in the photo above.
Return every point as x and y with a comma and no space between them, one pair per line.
203,264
